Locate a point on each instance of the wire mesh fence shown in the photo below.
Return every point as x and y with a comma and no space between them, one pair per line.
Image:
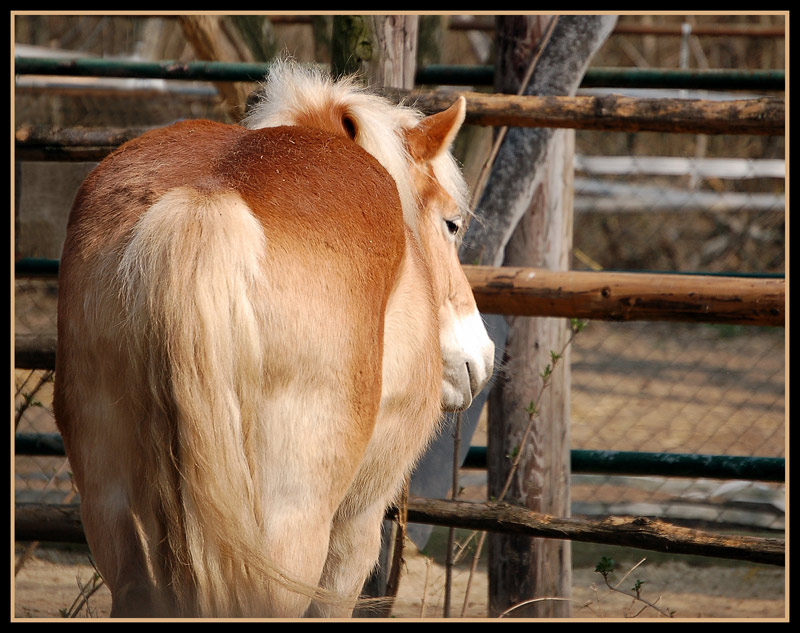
692,205
679,389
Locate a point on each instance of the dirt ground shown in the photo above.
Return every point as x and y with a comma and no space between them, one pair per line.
50,581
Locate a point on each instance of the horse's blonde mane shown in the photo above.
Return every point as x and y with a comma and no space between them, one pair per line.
292,90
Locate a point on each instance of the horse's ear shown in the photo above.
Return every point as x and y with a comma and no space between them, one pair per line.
435,133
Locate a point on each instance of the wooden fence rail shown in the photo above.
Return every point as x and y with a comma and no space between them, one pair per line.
615,113
628,296
611,296
764,117
62,523
641,532
577,294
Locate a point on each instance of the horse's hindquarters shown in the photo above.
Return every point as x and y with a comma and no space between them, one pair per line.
220,369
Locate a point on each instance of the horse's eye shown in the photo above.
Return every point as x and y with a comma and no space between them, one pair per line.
453,226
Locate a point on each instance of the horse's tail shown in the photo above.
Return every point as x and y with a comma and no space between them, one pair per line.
192,278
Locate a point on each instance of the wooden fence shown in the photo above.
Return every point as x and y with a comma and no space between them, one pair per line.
531,292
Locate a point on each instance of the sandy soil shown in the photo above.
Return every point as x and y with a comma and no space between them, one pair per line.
746,591
50,581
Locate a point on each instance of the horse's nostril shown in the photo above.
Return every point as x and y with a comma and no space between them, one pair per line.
474,382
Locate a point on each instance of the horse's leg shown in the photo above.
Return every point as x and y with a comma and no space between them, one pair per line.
304,469
133,593
406,420
104,463
354,547
296,542
119,553
119,548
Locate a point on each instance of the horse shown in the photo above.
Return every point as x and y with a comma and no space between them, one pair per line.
259,329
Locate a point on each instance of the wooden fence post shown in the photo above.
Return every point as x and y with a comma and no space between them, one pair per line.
523,567
533,177
382,47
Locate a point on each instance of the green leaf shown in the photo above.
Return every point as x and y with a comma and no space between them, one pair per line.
578,325
605,566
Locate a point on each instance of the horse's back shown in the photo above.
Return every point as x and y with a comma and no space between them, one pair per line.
307,184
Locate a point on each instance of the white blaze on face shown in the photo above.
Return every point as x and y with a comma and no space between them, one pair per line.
468,357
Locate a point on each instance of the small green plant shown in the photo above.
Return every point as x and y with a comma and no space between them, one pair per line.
605,567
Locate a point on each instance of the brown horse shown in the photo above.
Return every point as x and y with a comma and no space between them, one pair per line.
258,330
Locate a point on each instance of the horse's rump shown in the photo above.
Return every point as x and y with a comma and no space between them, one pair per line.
227,326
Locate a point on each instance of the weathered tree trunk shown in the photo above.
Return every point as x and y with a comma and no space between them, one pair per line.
394,58
352,42
322,29
508,192
257,36
524,567
532,178
381,47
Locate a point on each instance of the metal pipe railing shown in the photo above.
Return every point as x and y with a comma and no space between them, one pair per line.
629,463
763,80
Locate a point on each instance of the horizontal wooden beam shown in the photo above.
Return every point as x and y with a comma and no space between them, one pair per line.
62,523
59,523
763,117
35,351
615,113
41,142
641,532
576,294
628,296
